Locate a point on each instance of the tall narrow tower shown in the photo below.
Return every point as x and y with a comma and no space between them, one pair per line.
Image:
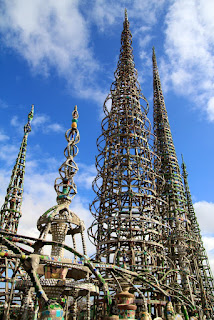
59,220
128,230
183,238
11,209
9,220
126,206
199,256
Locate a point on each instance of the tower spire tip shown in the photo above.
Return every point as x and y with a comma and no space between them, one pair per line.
126,15
153,51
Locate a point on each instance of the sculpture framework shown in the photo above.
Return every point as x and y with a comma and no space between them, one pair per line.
150,260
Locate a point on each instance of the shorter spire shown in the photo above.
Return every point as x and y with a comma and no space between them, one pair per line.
183,166
59,220
10,212
64,185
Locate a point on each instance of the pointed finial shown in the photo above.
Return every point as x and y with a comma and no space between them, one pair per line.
31,114
64,185
154,59
153,54
75,115
182,158
126,15
27,127
183,165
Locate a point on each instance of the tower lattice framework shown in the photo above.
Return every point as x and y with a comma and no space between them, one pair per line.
126,206
11,209
10,215
199,257
128,229
182,241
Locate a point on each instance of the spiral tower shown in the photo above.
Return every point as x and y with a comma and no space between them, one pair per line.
59,220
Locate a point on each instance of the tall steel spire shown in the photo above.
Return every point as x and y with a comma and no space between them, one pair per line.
183,237
128,228
9,220
11,209
173,190
199,257
126,181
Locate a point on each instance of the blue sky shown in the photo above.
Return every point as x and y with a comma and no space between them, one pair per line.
56,54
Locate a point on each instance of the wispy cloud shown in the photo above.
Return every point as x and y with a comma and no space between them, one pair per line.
3,104
54,127
146,12
189,46
40,122
43,122
8,153
3,137
39,196
204,211
209,245
48,38
86,175
54,36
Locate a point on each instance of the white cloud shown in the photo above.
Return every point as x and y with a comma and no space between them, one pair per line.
210,108
57,35
189,66
47,32
40,122
14,121
8,153
86,175
107,13
209,246
204,211
39,196
50,35
81,208
3,137
205,214
55,127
